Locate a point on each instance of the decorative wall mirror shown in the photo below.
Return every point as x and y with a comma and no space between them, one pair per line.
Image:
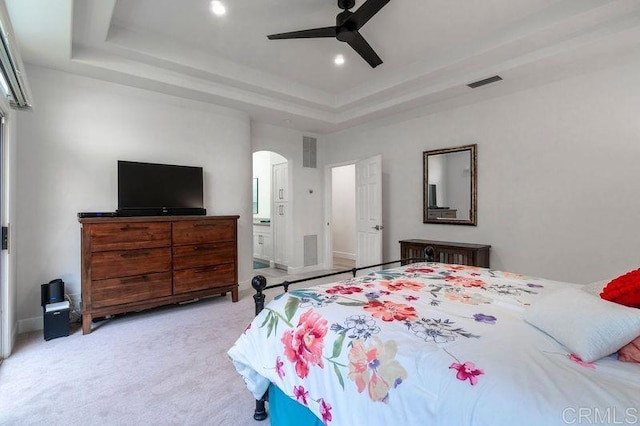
450,187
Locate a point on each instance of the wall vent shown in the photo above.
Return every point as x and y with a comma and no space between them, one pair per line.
485,81
309,152
310,250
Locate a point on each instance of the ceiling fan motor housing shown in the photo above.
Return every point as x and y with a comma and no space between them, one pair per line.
342,17
346,29
346,4
346,34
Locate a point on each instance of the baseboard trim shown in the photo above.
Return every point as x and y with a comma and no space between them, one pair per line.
30,324
37,323
11,342
344,255
245,285
303,269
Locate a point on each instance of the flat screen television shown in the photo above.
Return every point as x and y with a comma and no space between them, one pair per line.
148,189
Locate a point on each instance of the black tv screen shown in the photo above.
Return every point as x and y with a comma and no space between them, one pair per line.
432,196
148,186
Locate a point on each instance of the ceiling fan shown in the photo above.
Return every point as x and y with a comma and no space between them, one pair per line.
346,29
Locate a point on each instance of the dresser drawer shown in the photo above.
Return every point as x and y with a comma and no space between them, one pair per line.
204,278
204,231
442,213
199,255
126,236
112,264
128,263
117,291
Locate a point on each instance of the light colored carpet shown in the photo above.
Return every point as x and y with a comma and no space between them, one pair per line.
166,366
163,367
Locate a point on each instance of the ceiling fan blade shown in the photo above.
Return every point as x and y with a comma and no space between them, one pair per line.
366,12
312,33
360,45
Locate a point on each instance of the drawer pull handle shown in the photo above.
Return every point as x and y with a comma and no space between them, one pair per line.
201,248
135,279
134,228
131,254
206,269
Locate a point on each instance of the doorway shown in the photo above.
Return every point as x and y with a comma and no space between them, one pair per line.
271,212
343,214
354,233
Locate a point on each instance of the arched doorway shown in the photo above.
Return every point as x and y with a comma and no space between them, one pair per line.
271,211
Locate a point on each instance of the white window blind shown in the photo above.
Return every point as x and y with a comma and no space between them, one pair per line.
13,81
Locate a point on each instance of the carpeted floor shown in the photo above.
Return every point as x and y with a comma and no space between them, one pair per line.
166,366
160,367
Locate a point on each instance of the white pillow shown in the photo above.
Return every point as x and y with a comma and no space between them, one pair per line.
596,288
587,325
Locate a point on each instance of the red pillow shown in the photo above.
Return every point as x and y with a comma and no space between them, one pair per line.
630,352
624,290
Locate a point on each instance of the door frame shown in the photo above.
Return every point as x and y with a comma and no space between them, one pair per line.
5,327
8,286
287,221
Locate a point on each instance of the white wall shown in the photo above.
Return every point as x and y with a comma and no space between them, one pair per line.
343,211
67,153
305,189
558,175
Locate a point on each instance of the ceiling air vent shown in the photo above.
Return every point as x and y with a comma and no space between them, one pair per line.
485,81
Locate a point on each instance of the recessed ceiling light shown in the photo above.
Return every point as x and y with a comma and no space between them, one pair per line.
217,7
339,60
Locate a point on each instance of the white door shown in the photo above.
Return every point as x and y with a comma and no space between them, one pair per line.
279,222
369,211
267,246
279,214
257,244
279,182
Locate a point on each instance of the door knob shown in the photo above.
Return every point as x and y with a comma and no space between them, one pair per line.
378,227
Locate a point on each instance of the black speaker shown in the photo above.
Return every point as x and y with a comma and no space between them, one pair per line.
56,321
55,309
52,292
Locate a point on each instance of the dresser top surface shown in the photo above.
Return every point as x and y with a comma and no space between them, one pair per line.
446,244
93,220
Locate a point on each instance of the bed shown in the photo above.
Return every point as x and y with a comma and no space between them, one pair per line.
439,344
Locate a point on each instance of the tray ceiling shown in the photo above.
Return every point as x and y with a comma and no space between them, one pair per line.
431,50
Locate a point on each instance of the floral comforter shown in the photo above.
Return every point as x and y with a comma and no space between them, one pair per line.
428,343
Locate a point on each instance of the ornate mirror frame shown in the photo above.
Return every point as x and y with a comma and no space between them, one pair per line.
432,212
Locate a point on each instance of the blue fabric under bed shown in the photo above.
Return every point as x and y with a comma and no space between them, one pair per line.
284,411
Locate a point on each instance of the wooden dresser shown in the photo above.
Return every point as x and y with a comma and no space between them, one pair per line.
135,263
447,252
442,213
